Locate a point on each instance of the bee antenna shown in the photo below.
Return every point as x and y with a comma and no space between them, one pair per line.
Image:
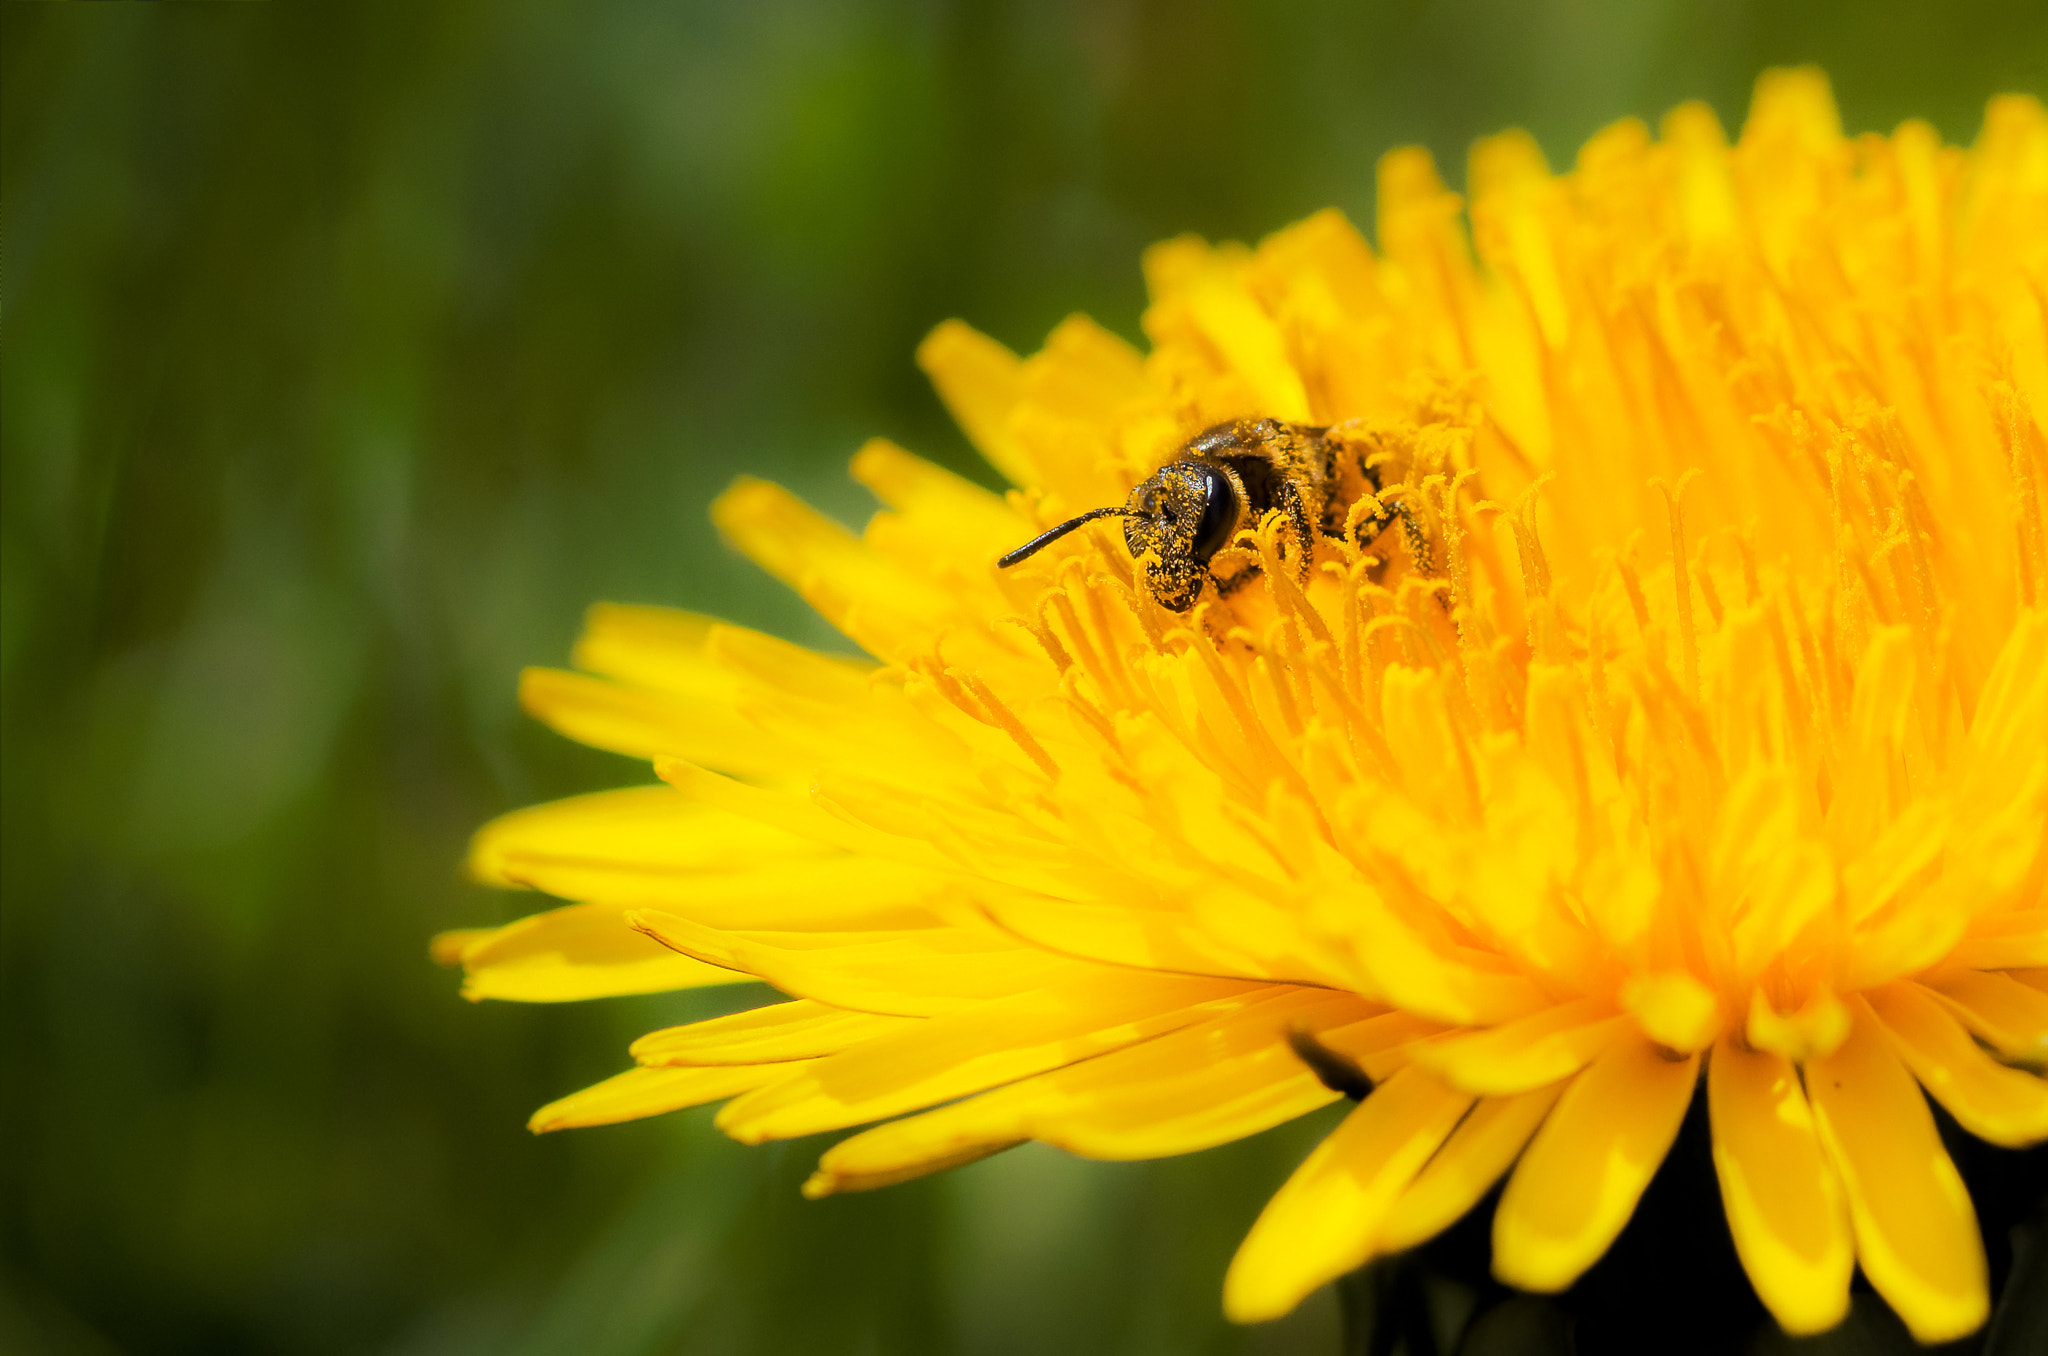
1045,539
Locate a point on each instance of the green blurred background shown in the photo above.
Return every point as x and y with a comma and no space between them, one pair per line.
348,351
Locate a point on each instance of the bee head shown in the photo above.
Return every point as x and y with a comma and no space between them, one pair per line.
1175,522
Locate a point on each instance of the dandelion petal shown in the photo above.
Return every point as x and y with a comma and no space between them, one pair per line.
1322,1223
1916,1235
2001,1105
1470,1162
1579,1181
1784,1204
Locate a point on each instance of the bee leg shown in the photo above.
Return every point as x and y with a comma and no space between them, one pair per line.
1337,508
1359,454
1226,587
1328,452
1412,533
1296,508
1337,1072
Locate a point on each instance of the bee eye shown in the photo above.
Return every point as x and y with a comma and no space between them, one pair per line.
1219,515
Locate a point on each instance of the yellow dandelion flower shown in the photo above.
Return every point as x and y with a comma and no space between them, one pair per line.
1664,701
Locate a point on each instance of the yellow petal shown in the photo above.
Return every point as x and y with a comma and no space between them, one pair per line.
781,1031
1249,341
1674,1009
798,816
650,1092
1380,1044
657,648
655,847
655,827
1579,1181
447,947
1414,974
797,544
1992,1102
1204,1108
2010,1016
1815,1029
980,382
2010,941
1510,183
917,1145
1085,372
918,972
1783,1202
881,606
579,951
1526,1054
712,671
841,892
1216,1080
1418,232
1147,939
769,664
964,520
1323,1222
1191,1089
968,1051
1916,1235
642,723
1466,1167
2002,797
2012,712
849,1176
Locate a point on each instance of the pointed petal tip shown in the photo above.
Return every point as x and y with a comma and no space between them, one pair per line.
739,496
735,1128
448,948
1251,1299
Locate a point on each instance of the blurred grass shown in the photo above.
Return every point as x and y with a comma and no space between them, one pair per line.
348,351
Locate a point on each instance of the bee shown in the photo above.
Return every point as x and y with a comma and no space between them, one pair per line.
1223,481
